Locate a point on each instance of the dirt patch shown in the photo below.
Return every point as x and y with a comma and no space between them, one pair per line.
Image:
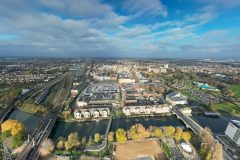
136,149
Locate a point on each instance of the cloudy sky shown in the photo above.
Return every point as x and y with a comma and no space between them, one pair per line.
120,28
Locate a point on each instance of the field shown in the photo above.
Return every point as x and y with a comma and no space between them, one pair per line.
137,149
228,107
7,94
236,90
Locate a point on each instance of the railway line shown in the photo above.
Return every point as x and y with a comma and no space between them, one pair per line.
45,125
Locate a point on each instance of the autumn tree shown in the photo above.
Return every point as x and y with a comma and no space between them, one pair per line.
157,132
111,136
215,152
121,135
168,131
97,137
12,126
138,132
178,134
186,135
46,147
206,138
73,141
61,143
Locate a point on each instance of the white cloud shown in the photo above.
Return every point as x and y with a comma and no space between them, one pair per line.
79,8
222,4
145,7
102,32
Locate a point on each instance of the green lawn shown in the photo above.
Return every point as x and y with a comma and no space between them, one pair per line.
236,90
228,107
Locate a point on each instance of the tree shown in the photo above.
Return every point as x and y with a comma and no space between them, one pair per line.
72,141
60,143
111,136
186,136
97,137
46,147
17,140
157,132
168,131
178,134
218,151
13,126
215,152
209,148
4,135
204,148
121,135
138,132
206,136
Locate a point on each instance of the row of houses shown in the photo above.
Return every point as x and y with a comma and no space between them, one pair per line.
153,109
91,113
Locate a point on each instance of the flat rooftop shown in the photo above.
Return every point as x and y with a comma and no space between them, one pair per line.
236,123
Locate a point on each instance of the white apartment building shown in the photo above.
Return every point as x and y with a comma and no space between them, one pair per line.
128,110
91,112
233,131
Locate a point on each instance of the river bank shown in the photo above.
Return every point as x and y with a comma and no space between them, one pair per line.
88,128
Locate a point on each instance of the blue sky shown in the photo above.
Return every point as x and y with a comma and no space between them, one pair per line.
120,28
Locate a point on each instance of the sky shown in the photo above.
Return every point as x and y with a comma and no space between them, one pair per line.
120,28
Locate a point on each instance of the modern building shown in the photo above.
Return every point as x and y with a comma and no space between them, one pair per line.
233,131
175,98
153,109
186,110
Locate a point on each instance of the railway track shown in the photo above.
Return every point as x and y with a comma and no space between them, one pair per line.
45,125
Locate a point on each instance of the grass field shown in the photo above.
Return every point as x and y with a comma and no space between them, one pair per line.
236,90
228,107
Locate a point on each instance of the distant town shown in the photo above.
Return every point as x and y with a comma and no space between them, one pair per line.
96,108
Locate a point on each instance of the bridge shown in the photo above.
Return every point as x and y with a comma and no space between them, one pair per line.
104,142
189,122
196,128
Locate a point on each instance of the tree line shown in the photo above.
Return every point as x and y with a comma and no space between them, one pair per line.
139,132
136,132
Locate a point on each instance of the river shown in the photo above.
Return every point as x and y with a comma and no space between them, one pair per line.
217,125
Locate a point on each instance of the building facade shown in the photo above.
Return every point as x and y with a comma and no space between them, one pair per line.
153,109
175,98
91,113
233,131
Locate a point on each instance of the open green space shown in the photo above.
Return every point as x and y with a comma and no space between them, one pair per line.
236,90
228,107
7,94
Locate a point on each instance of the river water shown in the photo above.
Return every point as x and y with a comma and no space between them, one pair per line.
217,125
